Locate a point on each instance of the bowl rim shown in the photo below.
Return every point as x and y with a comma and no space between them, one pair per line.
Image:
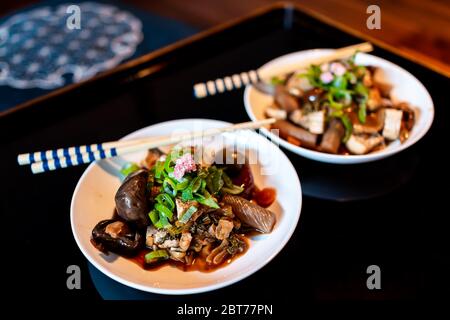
336,158
205,288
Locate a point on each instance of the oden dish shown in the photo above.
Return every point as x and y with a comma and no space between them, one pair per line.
354,110
180,269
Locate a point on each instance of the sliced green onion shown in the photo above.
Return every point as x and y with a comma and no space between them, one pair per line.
163,222
156,255
166,200
167,163
128,168
182,184
164,210
159,168
361,89
334,104
188,214
169,186
202,187
217,180
362,113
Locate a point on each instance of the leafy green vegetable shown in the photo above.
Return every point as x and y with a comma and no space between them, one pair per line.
226,180
128,168
206,200
214,180
156,255
233,190
196,183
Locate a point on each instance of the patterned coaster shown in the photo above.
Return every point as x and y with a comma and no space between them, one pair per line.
37,47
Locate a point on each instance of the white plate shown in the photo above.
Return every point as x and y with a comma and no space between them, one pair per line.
405,88
93,200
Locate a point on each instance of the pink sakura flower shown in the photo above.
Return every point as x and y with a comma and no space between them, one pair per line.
326,77
338,68
183,165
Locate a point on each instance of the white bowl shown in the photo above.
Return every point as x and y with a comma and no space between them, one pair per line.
93,200
405,88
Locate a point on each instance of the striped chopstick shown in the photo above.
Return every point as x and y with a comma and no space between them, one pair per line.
118,148
236,81
39,156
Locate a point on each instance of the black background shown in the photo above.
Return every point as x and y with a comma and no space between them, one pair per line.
401,226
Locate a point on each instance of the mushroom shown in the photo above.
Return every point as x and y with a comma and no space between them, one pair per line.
251,214
116,236
131,199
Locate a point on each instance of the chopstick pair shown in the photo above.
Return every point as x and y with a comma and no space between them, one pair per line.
236,81
49,160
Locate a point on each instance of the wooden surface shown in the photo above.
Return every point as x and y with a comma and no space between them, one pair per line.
419,28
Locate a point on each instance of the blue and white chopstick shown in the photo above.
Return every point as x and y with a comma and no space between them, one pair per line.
125,147
237,81
77,151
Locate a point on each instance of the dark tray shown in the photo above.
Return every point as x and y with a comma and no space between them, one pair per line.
391,213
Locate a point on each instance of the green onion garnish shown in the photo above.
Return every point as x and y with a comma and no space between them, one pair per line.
188,214
156,255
